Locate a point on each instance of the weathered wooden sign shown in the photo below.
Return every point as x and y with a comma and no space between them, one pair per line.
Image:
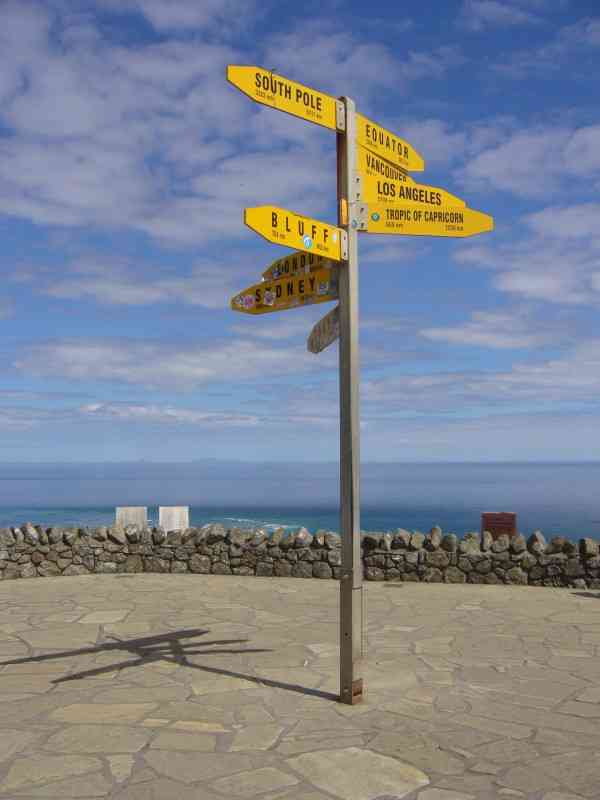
382,182
410,219
293,291
293,230
387,145
325,332
274,90
295,263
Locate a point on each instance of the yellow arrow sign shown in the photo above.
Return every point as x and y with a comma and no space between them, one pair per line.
387,145
382,182
411,219
292,230
274,90
325,332
295,263
285,293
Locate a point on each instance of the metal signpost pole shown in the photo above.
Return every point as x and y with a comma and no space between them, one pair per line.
351,583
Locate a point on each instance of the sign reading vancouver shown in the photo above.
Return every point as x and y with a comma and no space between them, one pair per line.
383,182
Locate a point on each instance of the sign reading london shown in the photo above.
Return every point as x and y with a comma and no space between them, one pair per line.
291,292
387,145
382,182
292,230
410,219
274,90
294,263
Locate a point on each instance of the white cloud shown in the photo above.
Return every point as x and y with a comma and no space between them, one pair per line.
572,378
568,222
477,15
208,284
555,264
188,16
570,43
156,364
164,415
534,163
496,330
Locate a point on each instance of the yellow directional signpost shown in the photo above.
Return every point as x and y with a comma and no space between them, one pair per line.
375,195
293,291
295,263
292,230
410,219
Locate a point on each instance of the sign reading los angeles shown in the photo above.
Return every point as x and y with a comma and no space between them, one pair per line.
325,332
382,182
295,263
292,230
291,292
387,145
410,219
274,90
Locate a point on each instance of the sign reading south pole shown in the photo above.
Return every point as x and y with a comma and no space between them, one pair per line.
294,291
292,230
387,145
410,219
274,90
383,182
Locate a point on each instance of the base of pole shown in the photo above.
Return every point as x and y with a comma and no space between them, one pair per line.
355,696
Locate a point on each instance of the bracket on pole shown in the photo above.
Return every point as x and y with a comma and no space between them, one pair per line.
340,115
344,245
359,216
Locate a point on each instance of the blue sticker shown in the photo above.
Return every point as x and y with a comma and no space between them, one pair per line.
307,241
375,217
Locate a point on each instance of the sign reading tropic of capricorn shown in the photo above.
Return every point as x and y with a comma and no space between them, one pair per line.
375,196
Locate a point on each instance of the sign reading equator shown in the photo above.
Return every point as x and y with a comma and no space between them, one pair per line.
382,182
274,90
411,219
293,230
387,145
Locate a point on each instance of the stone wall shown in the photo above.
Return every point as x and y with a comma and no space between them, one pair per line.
31,551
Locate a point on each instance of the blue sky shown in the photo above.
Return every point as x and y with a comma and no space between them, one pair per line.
126,161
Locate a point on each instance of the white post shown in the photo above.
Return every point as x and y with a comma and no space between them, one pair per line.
351,583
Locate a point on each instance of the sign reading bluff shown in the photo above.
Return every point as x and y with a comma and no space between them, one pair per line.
293,292
387,145
278,92
413,220
292,230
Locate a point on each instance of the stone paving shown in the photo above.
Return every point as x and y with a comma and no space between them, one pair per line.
199,687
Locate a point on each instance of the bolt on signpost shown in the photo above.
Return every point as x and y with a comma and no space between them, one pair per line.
375,195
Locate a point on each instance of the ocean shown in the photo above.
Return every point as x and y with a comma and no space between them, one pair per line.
555,498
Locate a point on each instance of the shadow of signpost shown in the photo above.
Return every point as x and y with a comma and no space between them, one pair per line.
167,647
